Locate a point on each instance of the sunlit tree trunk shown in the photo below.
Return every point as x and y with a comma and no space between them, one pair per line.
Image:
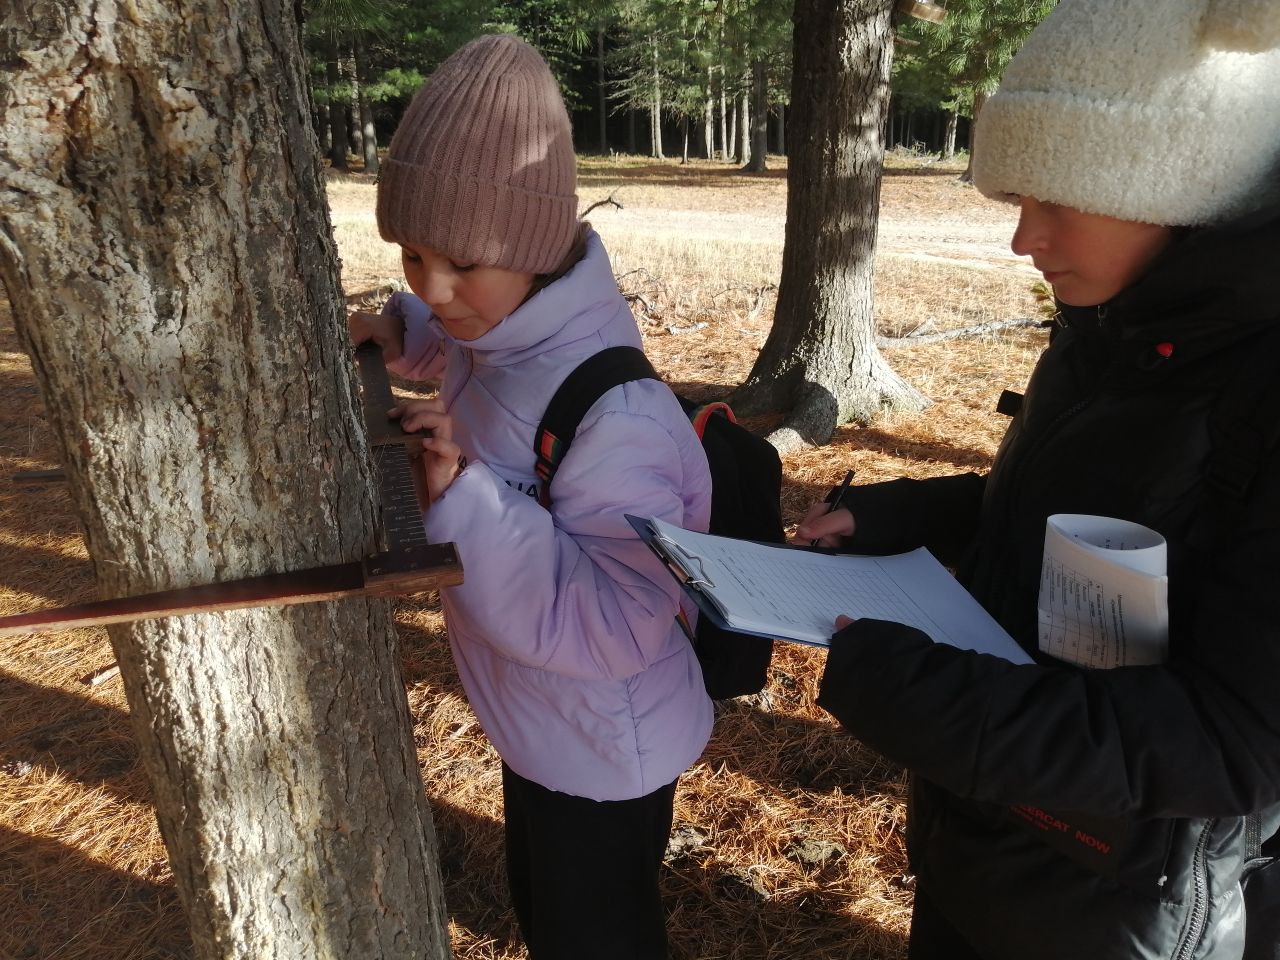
949,138
166,248
820,362
726,139
709,123
655,109
368,132
744,126
979,99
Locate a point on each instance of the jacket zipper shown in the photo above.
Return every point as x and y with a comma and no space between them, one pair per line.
1200,903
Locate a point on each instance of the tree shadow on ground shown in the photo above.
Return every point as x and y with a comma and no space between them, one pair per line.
74,736
874,440
39,877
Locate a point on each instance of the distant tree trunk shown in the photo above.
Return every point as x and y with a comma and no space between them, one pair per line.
655,110
320,118
731,145
684,135
709,119
726,139
369,138
759,118
979,99
368,132
782,129
744,127
949,138
602,101
353,117
166,247
820,362
338,130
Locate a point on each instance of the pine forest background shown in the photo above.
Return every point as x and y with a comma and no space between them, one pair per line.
662,78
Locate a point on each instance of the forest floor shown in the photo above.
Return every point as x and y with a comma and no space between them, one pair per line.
788,840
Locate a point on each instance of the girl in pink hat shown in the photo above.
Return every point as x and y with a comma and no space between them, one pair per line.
564,633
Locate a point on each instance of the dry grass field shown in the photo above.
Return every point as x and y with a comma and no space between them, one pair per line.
789,835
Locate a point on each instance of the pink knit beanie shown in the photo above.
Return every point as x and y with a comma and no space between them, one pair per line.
481,167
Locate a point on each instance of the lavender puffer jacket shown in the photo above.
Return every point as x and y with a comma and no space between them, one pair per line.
564,630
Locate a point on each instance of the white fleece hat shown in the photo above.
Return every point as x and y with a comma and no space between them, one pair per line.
1163,111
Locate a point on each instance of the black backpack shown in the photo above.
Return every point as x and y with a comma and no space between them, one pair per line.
746,489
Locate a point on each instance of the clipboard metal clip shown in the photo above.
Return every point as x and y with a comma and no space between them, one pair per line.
686,561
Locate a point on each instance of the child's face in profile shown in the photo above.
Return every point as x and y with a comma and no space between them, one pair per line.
469,299
1087,258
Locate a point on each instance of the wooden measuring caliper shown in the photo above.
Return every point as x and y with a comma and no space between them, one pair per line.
408,565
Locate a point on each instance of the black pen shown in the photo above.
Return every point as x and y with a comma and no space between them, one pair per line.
835,501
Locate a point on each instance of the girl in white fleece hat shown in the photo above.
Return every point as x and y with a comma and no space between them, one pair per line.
1096,803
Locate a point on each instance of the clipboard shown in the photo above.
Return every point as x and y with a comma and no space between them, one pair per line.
795,594
693,584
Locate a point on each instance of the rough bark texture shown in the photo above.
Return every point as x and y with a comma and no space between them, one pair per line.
168,254
820,361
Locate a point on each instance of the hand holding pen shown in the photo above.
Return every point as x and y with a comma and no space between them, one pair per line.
822,520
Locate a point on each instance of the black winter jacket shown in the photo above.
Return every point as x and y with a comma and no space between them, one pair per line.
1063,813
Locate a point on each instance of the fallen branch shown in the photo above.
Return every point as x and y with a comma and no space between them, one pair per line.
600,203
959,333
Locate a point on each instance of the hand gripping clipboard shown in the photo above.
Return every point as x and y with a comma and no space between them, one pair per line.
409,564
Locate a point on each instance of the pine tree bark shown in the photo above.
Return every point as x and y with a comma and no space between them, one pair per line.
820,362
167,251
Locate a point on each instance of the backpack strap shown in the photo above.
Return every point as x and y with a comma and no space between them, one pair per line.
587,383
699,415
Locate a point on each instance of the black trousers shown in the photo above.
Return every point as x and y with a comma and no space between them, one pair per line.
584,873
932,936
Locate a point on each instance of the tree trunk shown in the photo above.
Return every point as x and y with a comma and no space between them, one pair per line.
726,140
353,117
684,136
759,118
338,131
709,119
949,138
744,127
166,248
320,118
820,362
782,129
655,110
731,145
368,132
979,99
602,100
369,136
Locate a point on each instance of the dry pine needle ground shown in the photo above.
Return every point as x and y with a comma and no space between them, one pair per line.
788,839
